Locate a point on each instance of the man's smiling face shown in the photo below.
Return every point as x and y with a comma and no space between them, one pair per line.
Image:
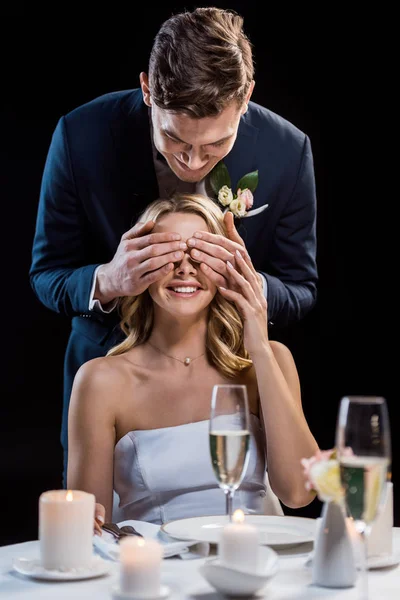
192,147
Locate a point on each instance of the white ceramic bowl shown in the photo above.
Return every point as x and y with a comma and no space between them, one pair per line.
234,582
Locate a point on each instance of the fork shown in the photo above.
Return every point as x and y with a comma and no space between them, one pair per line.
120,532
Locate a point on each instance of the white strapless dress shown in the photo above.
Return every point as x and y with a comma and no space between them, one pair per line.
165,474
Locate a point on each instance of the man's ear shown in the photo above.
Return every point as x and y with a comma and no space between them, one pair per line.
250,91
245,105
144,84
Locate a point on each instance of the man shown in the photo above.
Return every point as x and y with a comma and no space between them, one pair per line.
110,157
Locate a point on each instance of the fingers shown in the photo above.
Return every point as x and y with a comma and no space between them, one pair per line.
244,286
99,517
149,239
141,233
216,278
241,303
241,292
165,248
97,529
149,278
205,248
212,243
157,262
156,258
248,271
138,229
231,229
246,289
216,264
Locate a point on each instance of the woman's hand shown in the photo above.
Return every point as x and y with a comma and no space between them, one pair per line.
99,516
246,292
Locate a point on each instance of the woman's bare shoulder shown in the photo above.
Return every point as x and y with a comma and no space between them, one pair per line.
101,377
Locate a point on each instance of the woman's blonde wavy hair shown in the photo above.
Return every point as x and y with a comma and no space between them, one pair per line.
224,339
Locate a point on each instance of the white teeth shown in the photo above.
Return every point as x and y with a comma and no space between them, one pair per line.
185,290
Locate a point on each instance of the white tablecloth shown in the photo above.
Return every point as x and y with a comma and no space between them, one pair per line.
292,582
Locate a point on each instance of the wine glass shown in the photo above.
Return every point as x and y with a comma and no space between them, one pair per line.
229,438
364,453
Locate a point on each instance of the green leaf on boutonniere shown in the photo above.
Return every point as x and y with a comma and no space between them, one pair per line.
249,181
219,177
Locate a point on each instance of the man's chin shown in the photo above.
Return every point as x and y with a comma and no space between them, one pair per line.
188,176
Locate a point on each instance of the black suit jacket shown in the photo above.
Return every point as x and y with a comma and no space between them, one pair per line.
99,176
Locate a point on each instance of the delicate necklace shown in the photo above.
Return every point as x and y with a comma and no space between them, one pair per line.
185,362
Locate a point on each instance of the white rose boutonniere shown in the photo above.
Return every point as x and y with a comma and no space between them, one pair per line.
225,195
238,203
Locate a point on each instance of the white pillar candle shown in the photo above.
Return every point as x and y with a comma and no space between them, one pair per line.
66,521
140,566
239,544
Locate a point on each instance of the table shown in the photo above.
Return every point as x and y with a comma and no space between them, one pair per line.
292,582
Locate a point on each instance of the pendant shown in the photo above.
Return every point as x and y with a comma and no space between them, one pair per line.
187,361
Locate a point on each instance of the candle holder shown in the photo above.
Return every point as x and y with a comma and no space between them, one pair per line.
235,581
140,570
66,519
117,594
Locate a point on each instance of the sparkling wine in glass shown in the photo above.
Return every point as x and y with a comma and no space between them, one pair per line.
364,453
229,438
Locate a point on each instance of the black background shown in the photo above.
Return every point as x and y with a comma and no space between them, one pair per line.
319,70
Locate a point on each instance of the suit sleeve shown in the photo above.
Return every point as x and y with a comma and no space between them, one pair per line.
58,274
292,281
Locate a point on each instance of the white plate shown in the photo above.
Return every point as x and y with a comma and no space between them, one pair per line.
280,532
374,562
33,569
380,562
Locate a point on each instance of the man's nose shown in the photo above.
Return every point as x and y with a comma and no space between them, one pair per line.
195,159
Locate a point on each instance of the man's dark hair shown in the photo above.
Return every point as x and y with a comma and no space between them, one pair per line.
200,62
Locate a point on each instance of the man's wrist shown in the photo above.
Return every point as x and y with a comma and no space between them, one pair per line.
103,291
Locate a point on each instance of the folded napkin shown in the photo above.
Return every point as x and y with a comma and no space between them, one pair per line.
107,546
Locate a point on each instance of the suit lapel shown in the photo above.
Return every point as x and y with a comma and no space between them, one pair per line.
138,181
241,159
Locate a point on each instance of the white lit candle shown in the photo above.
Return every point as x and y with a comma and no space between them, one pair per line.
239,544
66,520
140,566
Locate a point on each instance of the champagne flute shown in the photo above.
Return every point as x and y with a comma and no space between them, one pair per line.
364,454
229,435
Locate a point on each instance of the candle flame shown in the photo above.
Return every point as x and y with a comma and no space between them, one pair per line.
69,497
238,516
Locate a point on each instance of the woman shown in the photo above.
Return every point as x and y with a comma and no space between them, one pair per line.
138,416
